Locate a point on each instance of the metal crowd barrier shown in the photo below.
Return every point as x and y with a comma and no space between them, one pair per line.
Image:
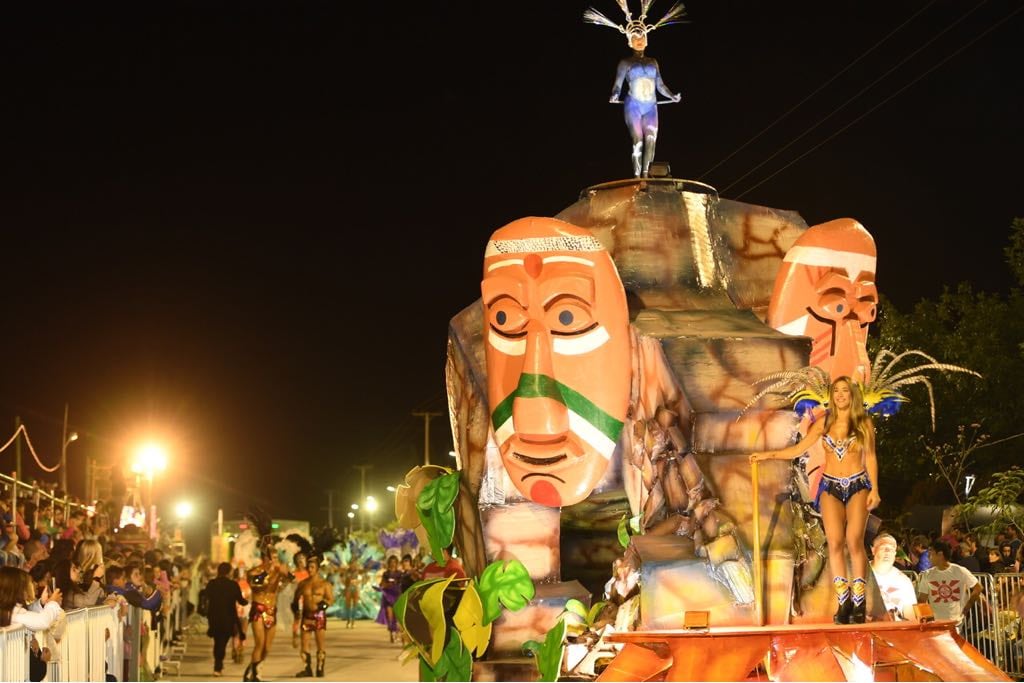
14,653
74,647
993,624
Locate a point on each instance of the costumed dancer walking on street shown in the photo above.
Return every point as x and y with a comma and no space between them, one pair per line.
848,490
312,598
353,574
265,580
390,588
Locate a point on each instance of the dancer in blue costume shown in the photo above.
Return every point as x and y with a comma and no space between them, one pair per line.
848,489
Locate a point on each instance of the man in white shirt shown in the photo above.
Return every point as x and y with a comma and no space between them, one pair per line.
948,588
896,587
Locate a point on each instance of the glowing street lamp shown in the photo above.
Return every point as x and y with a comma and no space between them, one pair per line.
371,506
391,489
150,459
183,509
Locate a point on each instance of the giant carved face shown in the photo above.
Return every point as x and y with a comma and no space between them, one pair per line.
825,290
558,356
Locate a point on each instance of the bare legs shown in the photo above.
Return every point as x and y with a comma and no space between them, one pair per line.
351,601
844,529
262,639
642,122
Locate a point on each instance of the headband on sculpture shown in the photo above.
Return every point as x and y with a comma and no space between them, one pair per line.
633,26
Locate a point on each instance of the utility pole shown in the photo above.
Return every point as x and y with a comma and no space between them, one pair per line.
426,415
330,509
362,494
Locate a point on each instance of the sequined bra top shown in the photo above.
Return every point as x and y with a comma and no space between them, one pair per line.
841,447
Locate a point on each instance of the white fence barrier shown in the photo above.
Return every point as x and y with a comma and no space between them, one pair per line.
14,653
74,648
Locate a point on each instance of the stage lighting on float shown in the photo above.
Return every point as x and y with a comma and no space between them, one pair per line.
923,612
696,619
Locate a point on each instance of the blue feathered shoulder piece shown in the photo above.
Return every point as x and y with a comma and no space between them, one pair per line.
808,388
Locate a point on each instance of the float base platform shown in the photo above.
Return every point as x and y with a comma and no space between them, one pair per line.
879,651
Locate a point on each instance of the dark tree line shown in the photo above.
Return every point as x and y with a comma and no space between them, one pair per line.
983,331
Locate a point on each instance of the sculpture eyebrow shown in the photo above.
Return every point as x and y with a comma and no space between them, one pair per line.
578,286
493,288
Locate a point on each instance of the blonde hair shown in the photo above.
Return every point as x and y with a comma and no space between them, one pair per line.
860,421
88,556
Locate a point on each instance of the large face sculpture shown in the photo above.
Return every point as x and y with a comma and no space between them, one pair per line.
558,356
825,290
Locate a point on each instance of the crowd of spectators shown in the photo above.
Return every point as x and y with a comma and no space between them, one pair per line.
1003,556
53,561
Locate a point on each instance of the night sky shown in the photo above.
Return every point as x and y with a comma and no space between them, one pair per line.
243,227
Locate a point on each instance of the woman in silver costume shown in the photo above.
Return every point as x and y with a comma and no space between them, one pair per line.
643,77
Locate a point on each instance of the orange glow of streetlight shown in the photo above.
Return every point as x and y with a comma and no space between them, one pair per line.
150,459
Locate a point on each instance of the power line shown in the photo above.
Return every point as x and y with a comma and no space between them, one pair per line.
851,123
855,96
819,88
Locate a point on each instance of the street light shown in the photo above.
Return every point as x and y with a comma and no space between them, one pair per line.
73,436
351,516
183,510
150,458
371,507
391,489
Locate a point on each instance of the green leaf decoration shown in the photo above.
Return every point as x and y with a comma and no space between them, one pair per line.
456,663
576,607
505,583
435,506
548,655
426,671
622,532
469,619
409,612
432,606
594,612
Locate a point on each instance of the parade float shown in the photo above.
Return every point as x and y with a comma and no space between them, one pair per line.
605,392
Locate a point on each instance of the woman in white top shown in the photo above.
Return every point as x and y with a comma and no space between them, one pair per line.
18,598
44,617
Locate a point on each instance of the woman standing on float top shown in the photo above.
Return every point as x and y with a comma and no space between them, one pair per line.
848,489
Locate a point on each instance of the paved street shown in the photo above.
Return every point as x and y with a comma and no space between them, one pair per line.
359,654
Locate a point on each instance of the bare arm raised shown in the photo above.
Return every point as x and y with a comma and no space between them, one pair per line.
796,450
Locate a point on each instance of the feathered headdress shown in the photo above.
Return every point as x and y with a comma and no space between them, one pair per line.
304,546
324,540
262,523
809,387
881,392
392,542
633,26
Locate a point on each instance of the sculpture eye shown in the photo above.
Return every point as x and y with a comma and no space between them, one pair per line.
833,305
569,316
507,317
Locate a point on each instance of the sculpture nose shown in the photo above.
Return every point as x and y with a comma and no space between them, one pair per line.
538,412
851,357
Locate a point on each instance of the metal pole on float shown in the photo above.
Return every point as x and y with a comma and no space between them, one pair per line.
758,569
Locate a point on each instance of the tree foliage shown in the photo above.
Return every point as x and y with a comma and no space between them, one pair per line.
982,331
